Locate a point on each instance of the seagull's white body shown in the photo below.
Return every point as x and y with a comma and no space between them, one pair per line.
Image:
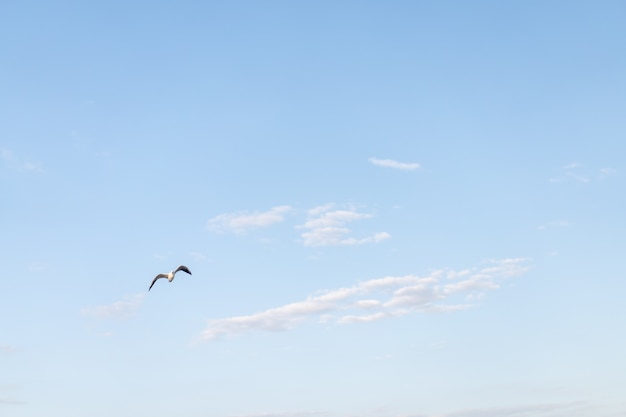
170,275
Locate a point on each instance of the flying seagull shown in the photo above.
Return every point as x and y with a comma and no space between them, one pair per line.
170,275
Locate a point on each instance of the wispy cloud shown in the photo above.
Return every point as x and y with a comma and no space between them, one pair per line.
7,155
534,410
376,299
5,348
119,309
578,173
6,399
13,161
10,401
37,267
390,163
326,227
554,224
605,172
240,222
199,257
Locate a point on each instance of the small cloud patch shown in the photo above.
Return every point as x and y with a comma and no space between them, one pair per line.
390,163
327,227
118,310
241,222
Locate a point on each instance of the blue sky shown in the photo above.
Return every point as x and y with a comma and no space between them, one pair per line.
390,209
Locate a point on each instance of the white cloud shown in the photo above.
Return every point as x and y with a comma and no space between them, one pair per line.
375,299
119,309
326,227
316,211
368,304
279,318
419,293
348,319
390,163
328,218
240,222
13,161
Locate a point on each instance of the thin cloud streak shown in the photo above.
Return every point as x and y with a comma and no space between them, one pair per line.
390,163
240,222
119,309
376,299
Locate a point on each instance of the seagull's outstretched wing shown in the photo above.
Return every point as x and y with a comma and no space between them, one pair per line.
183,268
155,279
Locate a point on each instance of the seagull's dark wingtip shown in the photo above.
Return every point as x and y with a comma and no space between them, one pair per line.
184,269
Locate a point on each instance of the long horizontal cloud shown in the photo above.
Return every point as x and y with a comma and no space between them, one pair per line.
375,299
241,222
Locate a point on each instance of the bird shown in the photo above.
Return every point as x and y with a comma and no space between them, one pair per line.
170,275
